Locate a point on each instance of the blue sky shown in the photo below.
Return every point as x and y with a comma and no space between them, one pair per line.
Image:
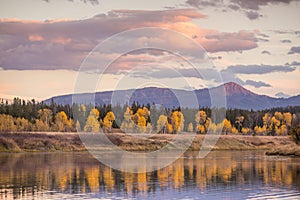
254,43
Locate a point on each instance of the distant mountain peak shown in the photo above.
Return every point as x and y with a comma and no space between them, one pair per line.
232,88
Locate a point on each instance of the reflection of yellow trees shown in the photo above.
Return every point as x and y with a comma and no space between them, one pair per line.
247,166
265,172
90,177
61,179
200,175
162,176
223,168
211,171
108,178
288,180
128,182
178,173
280,174
142,182
276,174
225,173
190,166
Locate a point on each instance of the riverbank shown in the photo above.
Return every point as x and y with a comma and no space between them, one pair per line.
289,150
49,142
40,142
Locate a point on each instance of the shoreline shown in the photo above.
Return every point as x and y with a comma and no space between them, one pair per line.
68,142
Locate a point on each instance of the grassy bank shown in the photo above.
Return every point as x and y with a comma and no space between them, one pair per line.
27,142
289,150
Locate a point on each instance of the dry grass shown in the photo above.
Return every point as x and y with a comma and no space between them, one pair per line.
18,142
8,145
224,142
288,150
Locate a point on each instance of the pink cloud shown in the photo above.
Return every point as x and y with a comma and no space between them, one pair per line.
61,40
63,44
35,38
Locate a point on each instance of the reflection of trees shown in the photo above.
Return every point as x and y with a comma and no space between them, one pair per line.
108,178
80,173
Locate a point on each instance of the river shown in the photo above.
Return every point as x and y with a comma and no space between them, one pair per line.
221,175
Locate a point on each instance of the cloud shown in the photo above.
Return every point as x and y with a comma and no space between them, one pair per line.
257,84
233,7
253,15
63,44
294,50
242,40
189,88
262,40
282,95
231,73
257,69
249,8
295,63
263,35
266,52
230,77
203,3
93,2
215,57
283,32
35,38
257,4
168,72
286,41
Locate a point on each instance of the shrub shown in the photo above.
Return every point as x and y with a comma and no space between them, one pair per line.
295,133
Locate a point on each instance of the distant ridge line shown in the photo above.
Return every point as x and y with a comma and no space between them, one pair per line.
236,97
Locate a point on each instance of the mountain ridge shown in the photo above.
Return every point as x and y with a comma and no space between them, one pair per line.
236,96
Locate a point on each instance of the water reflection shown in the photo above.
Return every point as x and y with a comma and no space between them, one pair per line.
58,175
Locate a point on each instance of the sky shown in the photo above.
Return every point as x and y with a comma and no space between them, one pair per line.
48,46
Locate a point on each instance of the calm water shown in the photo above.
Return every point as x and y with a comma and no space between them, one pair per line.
221,175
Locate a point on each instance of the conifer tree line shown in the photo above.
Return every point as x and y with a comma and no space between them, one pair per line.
21,115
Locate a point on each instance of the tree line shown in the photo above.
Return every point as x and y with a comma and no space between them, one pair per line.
21,115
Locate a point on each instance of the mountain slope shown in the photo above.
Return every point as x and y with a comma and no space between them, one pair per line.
236,97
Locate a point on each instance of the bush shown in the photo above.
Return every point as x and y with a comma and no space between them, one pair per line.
295,133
